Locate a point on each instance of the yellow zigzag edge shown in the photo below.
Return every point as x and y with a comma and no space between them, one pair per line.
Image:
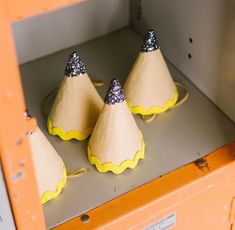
68,135
49,195
117,169
138,109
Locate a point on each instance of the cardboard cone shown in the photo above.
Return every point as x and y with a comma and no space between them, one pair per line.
149,88
49,167
116,142
77,104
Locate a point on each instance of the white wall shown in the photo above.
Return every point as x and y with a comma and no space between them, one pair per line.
45,34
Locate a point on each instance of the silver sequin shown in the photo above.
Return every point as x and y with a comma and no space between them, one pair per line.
150,42
74,66
115,93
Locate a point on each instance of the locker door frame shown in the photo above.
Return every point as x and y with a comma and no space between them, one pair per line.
15,155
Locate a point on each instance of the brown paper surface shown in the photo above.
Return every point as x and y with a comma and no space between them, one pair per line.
77,104
116,136
149,82
49,167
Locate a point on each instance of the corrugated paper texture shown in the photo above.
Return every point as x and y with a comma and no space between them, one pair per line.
149,82
49,167
116,136
77,105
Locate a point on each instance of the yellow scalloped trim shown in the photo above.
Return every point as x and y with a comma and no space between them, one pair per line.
138,109
49,195
68,135
117,169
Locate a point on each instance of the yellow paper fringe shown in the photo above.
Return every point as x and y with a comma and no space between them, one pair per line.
138,109
49,195
117,169
68,135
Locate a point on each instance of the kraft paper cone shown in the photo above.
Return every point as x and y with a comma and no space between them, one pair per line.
149,88
49,167
116,142
77,104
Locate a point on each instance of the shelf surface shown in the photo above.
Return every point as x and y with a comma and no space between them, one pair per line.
173,139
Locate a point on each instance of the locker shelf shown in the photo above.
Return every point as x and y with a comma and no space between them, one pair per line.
173,139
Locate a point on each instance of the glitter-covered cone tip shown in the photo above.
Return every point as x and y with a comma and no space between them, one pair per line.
150,42
74,66
115,93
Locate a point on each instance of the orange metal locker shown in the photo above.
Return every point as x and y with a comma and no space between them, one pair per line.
199,195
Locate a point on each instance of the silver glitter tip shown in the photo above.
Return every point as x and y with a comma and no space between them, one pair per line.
150,42
74,66
115,93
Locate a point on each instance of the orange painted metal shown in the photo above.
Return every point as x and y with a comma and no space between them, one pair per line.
199,194
27,8
232,212
14,149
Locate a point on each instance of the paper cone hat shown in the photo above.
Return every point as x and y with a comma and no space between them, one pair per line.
116,142
77,104
49,167
149,88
